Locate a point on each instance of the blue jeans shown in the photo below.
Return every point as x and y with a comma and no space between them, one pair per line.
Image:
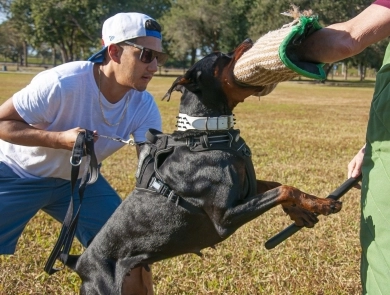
22,198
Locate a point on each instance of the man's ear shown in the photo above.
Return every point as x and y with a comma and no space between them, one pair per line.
114,51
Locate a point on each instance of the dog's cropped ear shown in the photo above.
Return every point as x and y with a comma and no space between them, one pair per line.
177,82
177,86
241,49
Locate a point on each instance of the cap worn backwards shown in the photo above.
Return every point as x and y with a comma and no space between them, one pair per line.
126,26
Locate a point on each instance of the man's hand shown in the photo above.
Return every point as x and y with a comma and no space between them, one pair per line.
66,139
355,166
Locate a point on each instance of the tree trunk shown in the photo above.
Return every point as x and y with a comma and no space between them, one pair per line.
345,71
362,72
54,60
193,55
64,55
25,63
328,69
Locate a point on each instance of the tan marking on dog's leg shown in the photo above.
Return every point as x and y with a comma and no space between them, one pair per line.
138,282
263,186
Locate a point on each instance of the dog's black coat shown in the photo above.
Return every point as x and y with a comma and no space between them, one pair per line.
216,193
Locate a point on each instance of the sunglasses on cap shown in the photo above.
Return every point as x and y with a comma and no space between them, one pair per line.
148,55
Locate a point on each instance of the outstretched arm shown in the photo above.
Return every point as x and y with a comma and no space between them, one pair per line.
342,40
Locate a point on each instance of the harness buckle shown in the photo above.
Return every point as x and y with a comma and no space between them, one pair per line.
190,142
164,190
75,164
159,186
173,197
155,184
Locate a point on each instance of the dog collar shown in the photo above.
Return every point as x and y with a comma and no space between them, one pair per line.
185,122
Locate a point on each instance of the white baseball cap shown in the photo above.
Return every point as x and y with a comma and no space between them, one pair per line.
126,26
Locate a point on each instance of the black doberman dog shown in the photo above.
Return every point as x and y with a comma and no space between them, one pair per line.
195,188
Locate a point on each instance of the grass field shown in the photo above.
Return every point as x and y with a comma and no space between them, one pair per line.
301,134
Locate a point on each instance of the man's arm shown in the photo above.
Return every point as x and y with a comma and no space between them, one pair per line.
342,40
15,130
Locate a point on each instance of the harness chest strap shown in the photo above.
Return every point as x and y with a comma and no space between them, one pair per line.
148,176
161,188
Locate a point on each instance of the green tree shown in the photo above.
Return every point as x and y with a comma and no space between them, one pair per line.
11,46
193,27
153,8
17,30
72,26
69,25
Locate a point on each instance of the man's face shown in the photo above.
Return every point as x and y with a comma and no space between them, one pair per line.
133,72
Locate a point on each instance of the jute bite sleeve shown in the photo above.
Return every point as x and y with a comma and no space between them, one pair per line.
272,60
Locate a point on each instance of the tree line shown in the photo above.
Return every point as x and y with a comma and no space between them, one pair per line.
71,29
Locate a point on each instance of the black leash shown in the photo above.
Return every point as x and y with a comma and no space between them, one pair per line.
84,145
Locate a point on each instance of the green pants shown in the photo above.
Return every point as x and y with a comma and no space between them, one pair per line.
375,202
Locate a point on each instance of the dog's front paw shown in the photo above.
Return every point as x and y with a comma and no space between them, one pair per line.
291,196
305,208
324,206
300,216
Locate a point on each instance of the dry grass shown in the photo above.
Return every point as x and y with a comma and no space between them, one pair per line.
301,134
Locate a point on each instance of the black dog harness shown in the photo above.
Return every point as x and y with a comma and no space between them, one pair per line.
155,150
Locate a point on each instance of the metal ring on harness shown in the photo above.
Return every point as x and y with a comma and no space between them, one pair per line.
75,164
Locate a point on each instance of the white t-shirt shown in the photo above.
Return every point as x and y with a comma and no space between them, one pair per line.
66,97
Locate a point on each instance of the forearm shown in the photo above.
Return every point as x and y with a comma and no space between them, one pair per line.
14,129
343,40
21,133
328,45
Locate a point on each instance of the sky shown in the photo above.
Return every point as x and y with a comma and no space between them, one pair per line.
2,17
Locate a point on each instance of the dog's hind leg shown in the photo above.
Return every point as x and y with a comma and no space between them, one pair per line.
138,281
131,276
